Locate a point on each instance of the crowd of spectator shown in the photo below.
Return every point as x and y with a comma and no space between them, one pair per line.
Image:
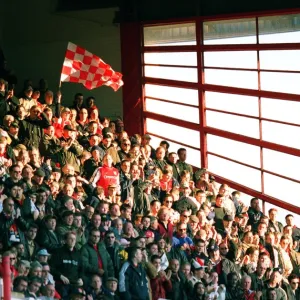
88,212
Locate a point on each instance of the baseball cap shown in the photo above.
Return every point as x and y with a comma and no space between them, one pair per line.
43,252
213,248
228,218
149,234
40,173
26,263
56,169
14,124
69,127
112,279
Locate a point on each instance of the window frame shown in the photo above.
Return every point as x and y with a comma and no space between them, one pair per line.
200,48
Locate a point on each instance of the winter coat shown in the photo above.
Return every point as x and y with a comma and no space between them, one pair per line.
5,224
90,262
31,131
67,263
133,282
48,240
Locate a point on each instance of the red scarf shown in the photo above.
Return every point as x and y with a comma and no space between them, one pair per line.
100,263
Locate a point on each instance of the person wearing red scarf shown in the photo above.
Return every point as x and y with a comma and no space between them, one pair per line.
95,258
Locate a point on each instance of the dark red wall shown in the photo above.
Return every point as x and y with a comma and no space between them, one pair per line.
131,69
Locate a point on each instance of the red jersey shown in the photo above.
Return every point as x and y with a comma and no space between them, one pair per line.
108,176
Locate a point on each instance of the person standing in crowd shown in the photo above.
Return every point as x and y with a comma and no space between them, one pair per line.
111,218
66,263
133,283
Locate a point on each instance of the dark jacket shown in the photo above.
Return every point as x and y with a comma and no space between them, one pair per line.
31,131
14,140
50,146
122,154
90,261
179,288
27,255
161,164
277,226
141,204
90,165
133,283
25,208
254,218
55,107
256,283
281,294
126,186
234,293
116,256
70,155
67,263
7,106
177,253
48,240
5,224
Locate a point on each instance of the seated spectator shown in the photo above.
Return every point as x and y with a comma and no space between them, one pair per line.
34,286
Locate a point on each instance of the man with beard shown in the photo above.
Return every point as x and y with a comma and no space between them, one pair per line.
254,214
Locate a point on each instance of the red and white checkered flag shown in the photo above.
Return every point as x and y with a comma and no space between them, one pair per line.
82,66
